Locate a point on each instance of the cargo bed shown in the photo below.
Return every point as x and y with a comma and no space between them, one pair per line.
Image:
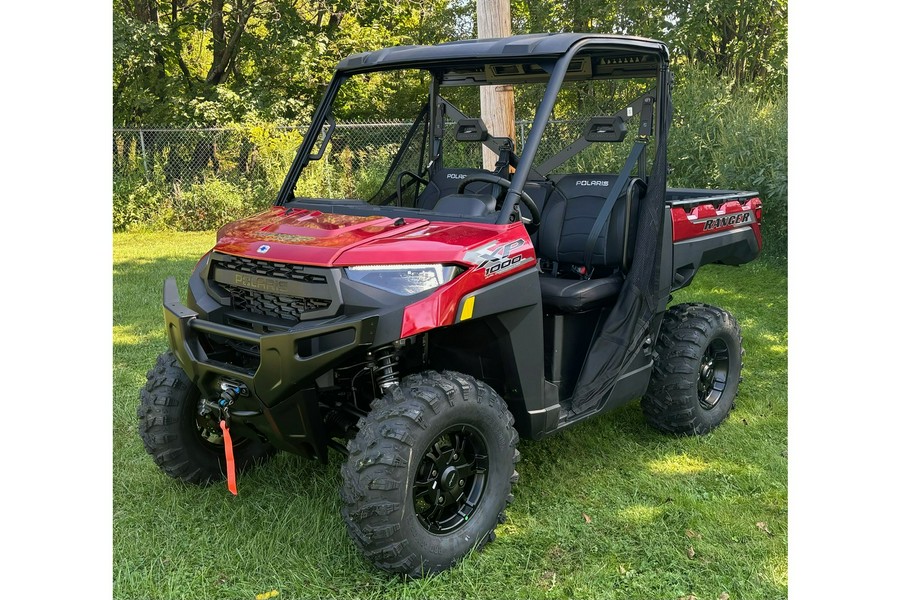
712,226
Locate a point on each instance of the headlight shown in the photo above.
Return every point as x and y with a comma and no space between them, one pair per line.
404,280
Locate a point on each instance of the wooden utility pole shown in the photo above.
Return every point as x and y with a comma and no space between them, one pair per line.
497,108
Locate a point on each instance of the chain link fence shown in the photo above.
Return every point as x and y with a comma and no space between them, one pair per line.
193,179
185,155
194,155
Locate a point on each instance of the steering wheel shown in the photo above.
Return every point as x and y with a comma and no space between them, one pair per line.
535,219
400,182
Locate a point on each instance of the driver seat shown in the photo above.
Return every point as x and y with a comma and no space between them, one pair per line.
443,183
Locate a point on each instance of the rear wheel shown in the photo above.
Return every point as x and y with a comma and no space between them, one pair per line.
183,444
430,472
697,371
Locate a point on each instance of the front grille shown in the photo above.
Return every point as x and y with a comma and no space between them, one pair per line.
305,289
267,269
273,305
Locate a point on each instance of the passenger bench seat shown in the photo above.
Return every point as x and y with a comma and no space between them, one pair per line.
539,191
566,223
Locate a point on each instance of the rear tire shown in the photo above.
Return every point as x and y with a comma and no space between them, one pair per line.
429,473
697,371
184,445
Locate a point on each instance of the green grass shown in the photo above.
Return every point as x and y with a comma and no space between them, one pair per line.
651,500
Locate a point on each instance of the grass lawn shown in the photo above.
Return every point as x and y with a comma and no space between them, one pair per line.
606,509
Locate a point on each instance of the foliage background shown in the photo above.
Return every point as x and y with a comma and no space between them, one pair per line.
263,64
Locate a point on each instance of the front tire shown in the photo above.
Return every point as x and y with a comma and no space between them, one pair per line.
183,444
696,374
429,473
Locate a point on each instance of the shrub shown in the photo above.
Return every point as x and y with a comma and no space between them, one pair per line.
273,151
751,154
209,205
137,204
732,138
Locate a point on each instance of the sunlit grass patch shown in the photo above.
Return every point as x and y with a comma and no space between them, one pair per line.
126,335
678,464
640,513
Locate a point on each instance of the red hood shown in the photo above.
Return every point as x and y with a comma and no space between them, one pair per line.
328,239
303,236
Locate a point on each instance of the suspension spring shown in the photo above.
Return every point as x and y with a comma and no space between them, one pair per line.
385,368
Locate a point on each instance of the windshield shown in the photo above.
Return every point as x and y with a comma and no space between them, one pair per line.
388,143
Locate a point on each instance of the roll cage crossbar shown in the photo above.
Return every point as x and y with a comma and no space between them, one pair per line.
556,66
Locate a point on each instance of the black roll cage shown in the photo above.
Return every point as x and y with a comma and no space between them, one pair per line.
557,67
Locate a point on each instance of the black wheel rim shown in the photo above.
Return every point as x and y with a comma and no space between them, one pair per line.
450,479
713,373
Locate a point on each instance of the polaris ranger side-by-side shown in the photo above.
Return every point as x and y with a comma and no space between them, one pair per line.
418,313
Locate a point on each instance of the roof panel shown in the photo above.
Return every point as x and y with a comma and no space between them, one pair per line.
491,49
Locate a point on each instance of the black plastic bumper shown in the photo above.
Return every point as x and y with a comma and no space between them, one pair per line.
282,404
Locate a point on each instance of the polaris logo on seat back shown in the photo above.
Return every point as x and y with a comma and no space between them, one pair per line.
455,176
726,221
600,182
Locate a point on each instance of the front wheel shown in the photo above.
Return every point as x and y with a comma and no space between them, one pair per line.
697,370
185,445
429,473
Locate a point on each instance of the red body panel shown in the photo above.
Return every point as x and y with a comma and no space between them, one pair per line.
436,242
706,219
497,245
307,237
488,252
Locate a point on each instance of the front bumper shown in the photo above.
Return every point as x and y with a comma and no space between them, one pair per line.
282,404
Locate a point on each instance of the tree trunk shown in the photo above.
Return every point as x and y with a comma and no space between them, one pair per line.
176,44
218,33
145,11
225,51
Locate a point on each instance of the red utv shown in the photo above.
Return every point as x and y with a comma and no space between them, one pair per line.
417,313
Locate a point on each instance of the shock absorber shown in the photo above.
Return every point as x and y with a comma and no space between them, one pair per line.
385,369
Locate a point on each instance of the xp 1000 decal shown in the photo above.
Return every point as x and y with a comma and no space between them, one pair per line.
497,257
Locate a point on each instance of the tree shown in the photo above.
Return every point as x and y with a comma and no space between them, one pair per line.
742,39
214,62
211,62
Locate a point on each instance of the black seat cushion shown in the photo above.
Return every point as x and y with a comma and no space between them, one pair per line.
566,222
578,295
539,191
